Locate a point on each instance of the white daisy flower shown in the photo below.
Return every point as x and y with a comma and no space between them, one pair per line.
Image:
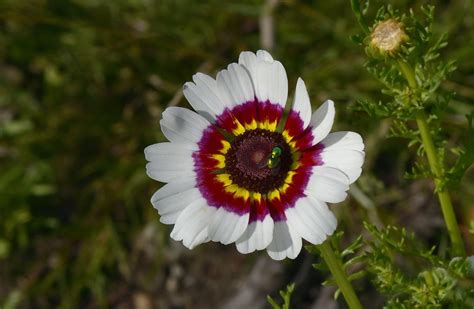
232,177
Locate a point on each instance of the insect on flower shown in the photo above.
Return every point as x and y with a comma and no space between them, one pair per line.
235,174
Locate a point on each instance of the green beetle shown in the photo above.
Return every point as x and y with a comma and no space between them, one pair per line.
274,158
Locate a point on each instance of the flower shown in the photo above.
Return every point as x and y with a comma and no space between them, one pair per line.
237,171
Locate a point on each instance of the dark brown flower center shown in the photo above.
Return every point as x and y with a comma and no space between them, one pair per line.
250,164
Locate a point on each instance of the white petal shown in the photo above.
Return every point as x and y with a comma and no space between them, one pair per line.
312,220
257,236
170,166
271,82
301,103
172,198
286,242
204,96
322,121
268,76
344,151
155,151
348,161
328,184
173,188
173,202
329,222
226,227
249,61
192,224
182,125
264,55
344,139
236,84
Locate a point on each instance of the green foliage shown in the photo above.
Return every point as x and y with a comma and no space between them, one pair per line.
412,76
421,51
465,154
348,256
71,141
286,297
411,276
412,73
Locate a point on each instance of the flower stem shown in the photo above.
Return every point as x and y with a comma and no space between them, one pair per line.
335,266
436,168
443,193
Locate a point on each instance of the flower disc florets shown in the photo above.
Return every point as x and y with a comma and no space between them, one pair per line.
250,164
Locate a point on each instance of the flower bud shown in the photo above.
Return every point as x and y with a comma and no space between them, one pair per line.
388,36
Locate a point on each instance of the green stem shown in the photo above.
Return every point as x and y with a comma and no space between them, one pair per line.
337,270
443,193
408,73
436,168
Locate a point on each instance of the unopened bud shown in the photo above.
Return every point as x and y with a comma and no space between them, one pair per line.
387,36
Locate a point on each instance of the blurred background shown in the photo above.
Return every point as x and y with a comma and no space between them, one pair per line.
82,87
